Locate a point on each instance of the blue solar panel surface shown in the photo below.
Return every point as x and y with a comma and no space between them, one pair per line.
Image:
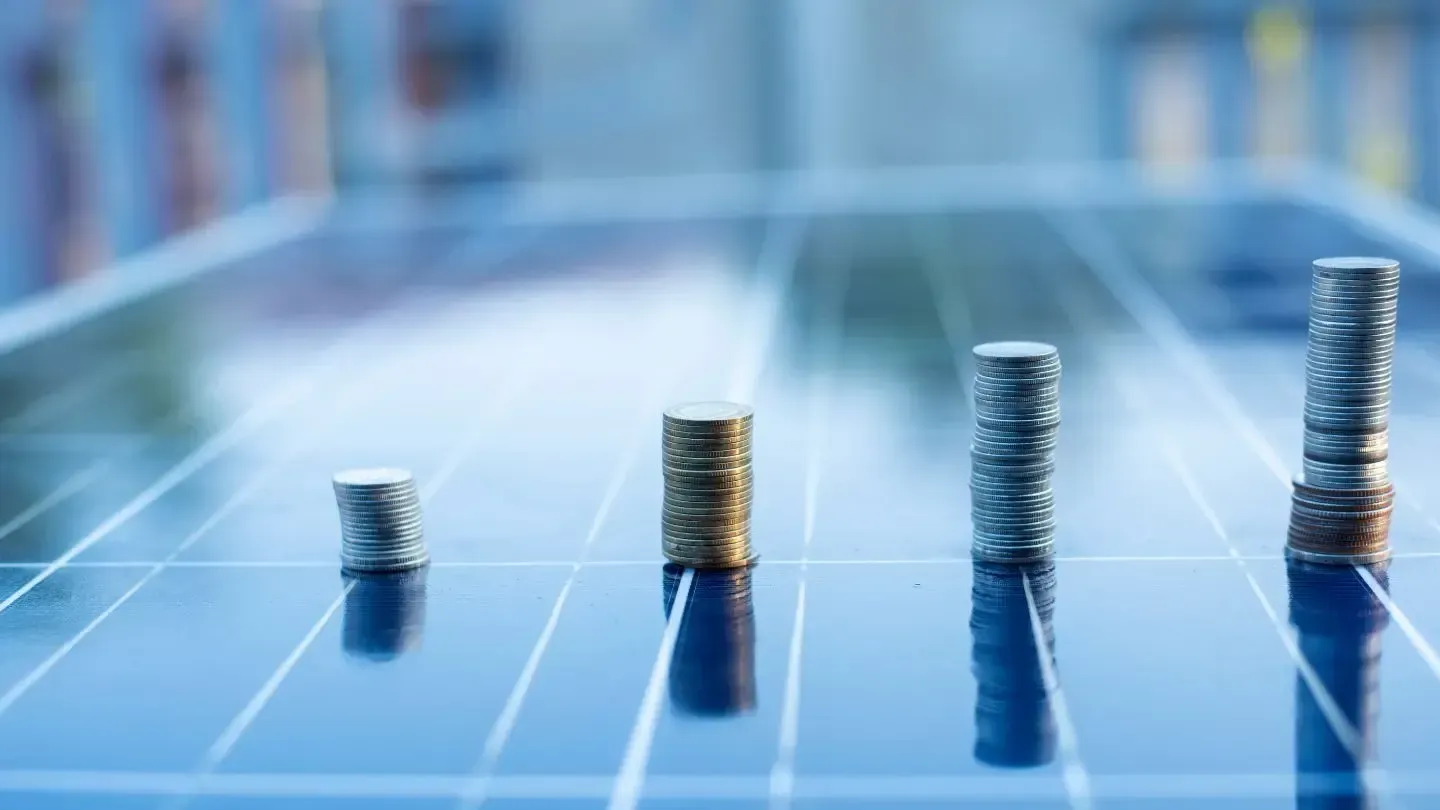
177,632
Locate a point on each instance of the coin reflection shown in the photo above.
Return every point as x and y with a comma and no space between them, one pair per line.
713,671
384,615
1339,622
1013,725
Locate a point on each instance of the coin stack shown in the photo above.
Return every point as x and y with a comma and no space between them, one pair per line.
709,485
713,671
1013,724
1343,500
380,525
1017,425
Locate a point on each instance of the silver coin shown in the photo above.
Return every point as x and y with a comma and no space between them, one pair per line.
1001,452
386,565
706,544
1356,265
729,557
717,456
356,530
1014,351
1025,474
369,478
1004,545
683,502
398,501
985,552
1033,382
709,413
693,466
1025,492
692,543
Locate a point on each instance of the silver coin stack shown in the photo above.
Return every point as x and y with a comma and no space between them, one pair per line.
1012,454
1343,500
381,529
709,485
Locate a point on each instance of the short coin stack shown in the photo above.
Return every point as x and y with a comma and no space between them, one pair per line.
380,525
1017,425
709,485
1343,501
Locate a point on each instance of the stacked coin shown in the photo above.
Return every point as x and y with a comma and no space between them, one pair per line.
380,525
1013,724
709,485
713,671
1344,498
384,615
1012,454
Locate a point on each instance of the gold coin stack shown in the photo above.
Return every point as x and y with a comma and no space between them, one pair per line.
709,485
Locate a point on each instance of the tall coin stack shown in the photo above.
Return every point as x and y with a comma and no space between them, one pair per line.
709,485
380,526
1012,455
1343,500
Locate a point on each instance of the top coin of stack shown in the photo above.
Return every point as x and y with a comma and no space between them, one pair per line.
1017,425
1343,501
380,525
709,485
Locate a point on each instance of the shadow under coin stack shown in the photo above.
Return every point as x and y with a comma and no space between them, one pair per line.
1342,503
713,671
380,525
709,485
1339,623
384,616
1012,454
1014,727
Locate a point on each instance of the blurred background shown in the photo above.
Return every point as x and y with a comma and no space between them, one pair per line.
127,122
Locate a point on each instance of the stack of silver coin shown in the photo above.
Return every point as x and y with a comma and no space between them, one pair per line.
1012,454
380,525
1344,498
709,485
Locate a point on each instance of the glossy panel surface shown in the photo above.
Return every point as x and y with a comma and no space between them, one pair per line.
176,632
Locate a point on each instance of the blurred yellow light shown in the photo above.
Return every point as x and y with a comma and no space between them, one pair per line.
1384,162
1277,38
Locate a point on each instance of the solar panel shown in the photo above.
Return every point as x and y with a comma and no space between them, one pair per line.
178,632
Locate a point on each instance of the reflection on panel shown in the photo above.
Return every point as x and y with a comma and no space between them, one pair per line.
713,671
1339,622
1013,724
385,616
